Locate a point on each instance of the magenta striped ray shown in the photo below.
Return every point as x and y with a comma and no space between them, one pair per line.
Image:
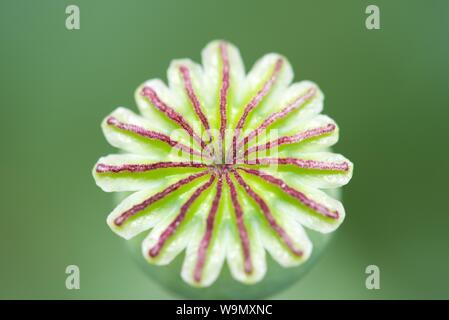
299,137
156,197
312,204
151,94
210,223
225,83
185,72
301,163
109,168
172,227
151,135
253,104
243,233
295,104
268,215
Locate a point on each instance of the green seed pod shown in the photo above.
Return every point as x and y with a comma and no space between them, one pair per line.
226,167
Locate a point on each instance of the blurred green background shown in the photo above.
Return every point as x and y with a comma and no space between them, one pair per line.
387,89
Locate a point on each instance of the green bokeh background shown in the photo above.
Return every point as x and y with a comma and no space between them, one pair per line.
387,89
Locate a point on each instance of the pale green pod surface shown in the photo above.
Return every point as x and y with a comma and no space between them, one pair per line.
232,190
